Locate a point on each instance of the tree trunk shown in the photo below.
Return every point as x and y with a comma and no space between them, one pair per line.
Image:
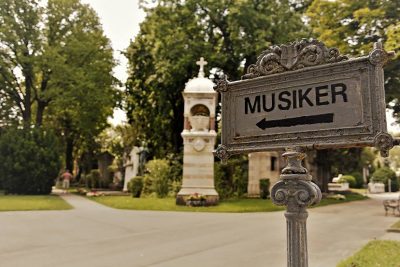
39,113
26,115
68,153
324,168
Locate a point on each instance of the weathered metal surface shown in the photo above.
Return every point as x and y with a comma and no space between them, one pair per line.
297,55
307,95
296,191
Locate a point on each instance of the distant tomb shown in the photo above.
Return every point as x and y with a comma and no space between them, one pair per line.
375,188
337,185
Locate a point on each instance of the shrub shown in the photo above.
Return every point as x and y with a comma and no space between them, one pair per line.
383,175
147,185
359,179
264,188
135,186
231,179
348,179
175,188
157,177
29,161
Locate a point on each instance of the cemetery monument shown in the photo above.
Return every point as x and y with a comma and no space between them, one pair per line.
199,139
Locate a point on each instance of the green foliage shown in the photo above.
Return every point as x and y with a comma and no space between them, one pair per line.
93,179
29,161
264,188
157,177
231,179
17,203
350,160
383,175
375,253
147,185
65,63
135,186
359,179
174,35
348,179
353,27
229,205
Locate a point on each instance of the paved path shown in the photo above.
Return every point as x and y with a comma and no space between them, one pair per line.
92,235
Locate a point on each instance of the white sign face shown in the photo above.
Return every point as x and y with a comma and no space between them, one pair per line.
303,107
331,105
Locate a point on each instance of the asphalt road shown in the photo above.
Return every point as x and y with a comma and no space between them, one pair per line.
92,235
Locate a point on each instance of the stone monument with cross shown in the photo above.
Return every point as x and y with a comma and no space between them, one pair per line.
199,138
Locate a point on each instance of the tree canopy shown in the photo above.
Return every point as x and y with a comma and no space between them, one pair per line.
175,34
56,69
353,27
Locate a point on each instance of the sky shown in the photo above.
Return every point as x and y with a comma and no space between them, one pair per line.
121,19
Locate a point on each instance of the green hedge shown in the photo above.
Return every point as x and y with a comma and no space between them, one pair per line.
264,188
29,161
349,179
135,186
157,178
231,178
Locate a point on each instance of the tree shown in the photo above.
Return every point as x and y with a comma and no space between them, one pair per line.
174,35
55,68
353,27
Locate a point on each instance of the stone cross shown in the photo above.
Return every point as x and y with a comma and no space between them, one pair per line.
201,63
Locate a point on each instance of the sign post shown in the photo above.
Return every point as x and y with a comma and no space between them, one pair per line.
304,96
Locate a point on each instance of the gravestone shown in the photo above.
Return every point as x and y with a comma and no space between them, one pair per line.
199,139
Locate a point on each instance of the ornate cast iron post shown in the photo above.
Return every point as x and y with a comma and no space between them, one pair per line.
300,73
296,191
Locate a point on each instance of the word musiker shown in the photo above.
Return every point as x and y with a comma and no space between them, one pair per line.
293,99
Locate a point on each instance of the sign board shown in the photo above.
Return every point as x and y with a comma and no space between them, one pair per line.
305,95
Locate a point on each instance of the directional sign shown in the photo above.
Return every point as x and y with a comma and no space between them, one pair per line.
306,95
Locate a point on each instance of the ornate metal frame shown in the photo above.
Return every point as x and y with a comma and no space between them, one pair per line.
301,62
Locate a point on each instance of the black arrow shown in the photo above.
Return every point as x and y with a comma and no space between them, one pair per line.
303,120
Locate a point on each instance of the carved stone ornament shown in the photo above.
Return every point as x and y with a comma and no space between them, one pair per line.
222,85
222,153
199,144
384,142
295,187
294,56
379,56
304,193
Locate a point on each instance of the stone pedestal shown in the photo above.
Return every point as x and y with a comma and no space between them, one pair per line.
376,188
198,167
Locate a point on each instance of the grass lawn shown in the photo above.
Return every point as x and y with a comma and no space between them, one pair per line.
383,253
231,205
349,197
19,203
